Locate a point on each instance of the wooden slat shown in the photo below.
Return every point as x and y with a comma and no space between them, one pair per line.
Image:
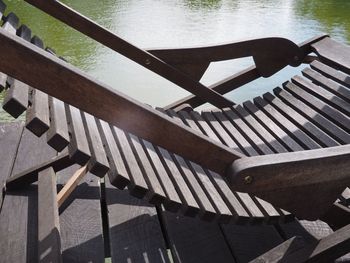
118,174
259,129
138,186
333,53
134,231
327,84
78,147
57,135
304,124
272,127
38,116
155,193
173,202
328,111
81,228
20,225
10,136
250,135
10,24
222,134
286,125
49,240
62,82
331,73
98,164
323,94
327,126
16,98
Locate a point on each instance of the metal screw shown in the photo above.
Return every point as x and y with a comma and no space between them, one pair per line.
147,61
248,179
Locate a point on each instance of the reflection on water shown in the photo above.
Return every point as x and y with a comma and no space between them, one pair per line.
168,23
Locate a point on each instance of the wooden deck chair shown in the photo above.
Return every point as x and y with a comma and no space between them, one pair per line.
289,150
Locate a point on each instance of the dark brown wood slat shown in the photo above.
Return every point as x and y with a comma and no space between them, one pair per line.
38,116
203,125
272,127
16,98
323,94
98,164
207,211
250,135
328,111
224,214
190,204
290,128
117,174
78,147
240,214
138,186
173,202
49,240
333,53
331,73
57,136
155,194
222,134
327,84
259,129
327,126
10,24
255,212
304,124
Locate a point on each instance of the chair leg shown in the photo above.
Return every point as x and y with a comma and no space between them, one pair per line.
297,249
29,176
49,240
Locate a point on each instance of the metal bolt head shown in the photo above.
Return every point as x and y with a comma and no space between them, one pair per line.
147,61
248,179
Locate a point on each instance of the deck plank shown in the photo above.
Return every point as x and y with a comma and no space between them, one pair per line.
80,220
134,231
10,135
17,226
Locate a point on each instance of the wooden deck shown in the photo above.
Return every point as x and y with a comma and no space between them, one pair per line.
100,223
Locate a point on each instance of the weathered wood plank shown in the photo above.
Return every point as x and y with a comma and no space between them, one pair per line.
248,242
19,227
10,136
80,220
49,241
135,234
193,240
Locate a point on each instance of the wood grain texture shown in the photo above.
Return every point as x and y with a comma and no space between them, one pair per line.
80,220
49,240
193,240
20,242
10,136
134,230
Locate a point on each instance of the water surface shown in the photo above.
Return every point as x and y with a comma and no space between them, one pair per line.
168,23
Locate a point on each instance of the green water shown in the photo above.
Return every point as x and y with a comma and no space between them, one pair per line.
169,23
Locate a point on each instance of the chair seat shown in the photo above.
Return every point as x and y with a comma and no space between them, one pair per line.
309,112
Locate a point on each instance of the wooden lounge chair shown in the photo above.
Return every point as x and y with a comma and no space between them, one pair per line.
289,150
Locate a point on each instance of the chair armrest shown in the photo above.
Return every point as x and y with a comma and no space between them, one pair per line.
305,183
